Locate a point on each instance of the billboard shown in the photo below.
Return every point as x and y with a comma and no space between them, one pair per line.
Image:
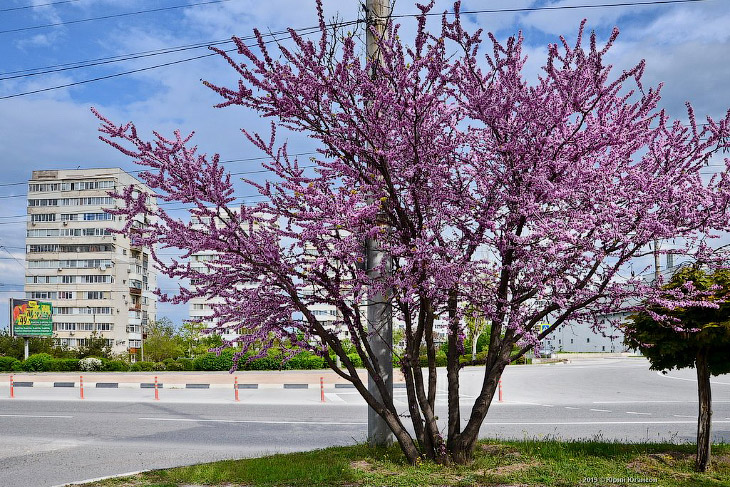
30,318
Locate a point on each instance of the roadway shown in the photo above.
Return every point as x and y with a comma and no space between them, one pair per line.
52,437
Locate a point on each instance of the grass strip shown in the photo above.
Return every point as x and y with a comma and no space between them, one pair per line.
529,462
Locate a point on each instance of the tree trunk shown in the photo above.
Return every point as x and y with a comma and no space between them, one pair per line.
704,421
474,340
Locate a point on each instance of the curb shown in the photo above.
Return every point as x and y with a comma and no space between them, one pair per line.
161,385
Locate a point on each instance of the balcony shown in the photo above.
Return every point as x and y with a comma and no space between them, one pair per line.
135,291
135,307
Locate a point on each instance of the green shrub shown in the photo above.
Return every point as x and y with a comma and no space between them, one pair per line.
64,365
212,361
6,363
173,365
355,359
145,366
440,359
135,367
263,363
305,361
466,359
116,366
38,362
185,363
159,366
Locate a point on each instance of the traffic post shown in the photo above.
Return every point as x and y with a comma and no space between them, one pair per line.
235,388
157,394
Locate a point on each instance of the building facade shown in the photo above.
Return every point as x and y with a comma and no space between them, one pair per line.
99,283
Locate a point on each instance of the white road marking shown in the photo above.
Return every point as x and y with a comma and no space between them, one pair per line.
32,416
657,402
601,410
633,412
546,405
569,407
331,396
189,420
568,423
685,416
667,376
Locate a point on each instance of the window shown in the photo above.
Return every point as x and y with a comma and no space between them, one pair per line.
42,187
64,326
43,232
588,340
97,216
40,295
41,279
94,200
571,340
43,217
104,279
43,202
86,326
104,326
66,295
83,232
82,185
95,295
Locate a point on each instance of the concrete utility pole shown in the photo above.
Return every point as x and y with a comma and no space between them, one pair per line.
657,261
380,325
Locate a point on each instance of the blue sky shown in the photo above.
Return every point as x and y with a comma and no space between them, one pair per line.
686,45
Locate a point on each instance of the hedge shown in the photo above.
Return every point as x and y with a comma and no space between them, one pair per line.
7,363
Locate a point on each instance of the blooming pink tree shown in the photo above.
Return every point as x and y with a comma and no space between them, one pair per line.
522,200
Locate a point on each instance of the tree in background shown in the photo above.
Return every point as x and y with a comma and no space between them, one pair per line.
475,326
688,325
162,341
94,346
447,156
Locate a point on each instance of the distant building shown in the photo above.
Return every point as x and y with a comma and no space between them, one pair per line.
573,337
97,280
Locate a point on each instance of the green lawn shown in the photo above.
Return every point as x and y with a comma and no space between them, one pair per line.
497,463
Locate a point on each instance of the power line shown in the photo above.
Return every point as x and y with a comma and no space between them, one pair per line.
554,7
57,68
25,7
111,16
309,31
195,46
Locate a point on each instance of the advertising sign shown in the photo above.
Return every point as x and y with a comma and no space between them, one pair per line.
30,318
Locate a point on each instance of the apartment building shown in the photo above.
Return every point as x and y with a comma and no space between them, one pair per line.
97,280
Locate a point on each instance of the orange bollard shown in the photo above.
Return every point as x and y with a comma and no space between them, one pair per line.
157,394
235,387
500,390
81,385
12,392
321,387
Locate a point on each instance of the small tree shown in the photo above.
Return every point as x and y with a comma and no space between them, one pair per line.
94,346
460,172
162,342
690,328
475,325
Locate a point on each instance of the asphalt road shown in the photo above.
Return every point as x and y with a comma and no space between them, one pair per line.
52,437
